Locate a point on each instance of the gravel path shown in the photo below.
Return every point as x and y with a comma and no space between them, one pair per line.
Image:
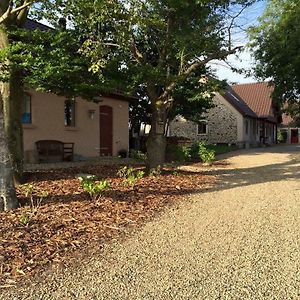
238,240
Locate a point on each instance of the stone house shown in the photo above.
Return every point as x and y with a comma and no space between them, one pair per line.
243,115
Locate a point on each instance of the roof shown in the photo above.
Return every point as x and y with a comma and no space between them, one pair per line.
238,103
258,96
32,25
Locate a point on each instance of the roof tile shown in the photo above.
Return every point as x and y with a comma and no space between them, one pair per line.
258,96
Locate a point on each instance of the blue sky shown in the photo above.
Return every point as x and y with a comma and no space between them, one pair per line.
248,18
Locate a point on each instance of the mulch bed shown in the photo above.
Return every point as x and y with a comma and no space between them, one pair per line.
68,221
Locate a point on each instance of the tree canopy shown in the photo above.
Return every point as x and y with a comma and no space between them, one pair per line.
161,46
275,44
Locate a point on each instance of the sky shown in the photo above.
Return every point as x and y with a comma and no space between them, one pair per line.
248,18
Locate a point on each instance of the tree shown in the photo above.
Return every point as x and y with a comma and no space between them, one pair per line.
275,45
160,45
47,61
11,14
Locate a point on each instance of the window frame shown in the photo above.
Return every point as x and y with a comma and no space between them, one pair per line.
26,97
202,122
70,122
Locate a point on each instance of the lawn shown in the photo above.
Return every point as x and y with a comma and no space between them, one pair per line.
68,223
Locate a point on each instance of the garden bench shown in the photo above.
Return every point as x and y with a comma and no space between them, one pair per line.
54,151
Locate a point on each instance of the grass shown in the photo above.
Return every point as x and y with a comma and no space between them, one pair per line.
222,148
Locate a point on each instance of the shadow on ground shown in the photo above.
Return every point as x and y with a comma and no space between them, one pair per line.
238,177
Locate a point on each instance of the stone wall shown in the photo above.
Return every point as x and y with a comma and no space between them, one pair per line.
221,122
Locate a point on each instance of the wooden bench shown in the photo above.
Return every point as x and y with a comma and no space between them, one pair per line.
54,151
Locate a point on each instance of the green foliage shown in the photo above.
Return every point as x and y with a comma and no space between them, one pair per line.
130,176
138,155
222,148
178,153
93,187
25,219
275,45
154,172
50,61
36,198
157,49
205,154
280,138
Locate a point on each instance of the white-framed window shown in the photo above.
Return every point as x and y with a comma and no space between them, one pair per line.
27,113
202,127
70,112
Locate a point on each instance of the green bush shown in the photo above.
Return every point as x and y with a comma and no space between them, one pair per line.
130,177
178,153
93,187
138,155
155,171
194,150
205,154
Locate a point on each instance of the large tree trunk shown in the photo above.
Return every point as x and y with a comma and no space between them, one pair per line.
156,142
12,95
8,199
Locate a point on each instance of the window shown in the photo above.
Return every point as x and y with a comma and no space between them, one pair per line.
202,127
246,126
70,112
26,115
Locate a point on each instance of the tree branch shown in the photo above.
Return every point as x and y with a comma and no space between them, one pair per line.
232,24
13,11
220,55
135,51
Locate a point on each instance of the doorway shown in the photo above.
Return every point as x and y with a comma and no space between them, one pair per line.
106,130
294,136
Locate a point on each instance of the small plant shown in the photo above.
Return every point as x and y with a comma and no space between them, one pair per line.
206,155
25,219
175,173
28,190
130,177
155,171
93,187
138,155
36,199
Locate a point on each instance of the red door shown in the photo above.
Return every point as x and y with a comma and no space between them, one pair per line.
106,130
294,136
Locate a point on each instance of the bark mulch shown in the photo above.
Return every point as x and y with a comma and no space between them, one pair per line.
68,222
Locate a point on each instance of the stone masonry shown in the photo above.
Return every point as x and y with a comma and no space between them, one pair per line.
221,123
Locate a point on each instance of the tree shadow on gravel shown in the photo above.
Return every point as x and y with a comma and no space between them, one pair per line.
228,178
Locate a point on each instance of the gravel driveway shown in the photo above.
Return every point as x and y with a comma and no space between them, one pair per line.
237,240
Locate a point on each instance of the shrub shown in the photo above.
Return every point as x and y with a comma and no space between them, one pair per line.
205,154
155,171
138,155
36,199
93,187
194,150
178,153
130,177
